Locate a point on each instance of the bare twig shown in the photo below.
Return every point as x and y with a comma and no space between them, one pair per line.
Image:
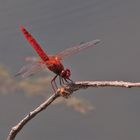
70,88
123,84
14,131
65,91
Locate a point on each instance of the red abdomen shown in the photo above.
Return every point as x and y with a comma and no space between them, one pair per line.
34,44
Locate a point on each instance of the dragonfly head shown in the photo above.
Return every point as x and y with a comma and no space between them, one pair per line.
65,73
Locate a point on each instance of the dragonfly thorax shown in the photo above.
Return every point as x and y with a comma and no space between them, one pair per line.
65,73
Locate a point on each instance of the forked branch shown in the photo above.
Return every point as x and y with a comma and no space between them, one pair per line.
66,91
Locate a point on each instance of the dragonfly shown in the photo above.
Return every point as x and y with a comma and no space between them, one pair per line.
51,62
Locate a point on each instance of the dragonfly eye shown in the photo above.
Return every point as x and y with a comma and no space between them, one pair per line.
66,73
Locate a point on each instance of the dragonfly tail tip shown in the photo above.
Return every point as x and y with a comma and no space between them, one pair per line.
22,27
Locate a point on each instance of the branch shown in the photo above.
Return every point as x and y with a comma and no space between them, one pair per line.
66,91
14,131
72,87
123,84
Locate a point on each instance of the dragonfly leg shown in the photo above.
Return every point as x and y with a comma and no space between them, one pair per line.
53,83
66,80
60,80
70,80
63,81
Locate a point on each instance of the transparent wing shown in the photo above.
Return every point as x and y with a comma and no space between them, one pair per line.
32,59
77,48
31,69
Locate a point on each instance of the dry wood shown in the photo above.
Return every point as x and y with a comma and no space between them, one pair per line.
66,91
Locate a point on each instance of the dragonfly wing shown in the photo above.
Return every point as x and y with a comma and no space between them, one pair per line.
30,69
32,59
34,44
77,48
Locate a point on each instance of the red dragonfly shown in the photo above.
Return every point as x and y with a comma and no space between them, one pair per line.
52,62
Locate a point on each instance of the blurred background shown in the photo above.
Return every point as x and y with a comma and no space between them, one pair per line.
99,114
